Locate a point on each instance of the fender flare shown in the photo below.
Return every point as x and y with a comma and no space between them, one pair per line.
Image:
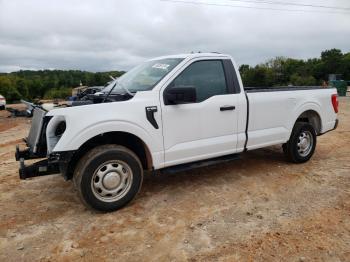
309,106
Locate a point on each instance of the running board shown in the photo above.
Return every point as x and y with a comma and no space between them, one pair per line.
198,164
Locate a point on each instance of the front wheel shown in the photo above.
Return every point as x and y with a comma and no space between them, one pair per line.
108,177
302,143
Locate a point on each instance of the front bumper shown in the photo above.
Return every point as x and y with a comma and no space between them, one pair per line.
56,163
40,168
24,154
37,149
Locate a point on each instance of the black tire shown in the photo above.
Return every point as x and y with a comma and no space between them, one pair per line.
293,151
113,157
2,107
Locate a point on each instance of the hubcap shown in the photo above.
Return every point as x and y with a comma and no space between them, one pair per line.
305,143
111,181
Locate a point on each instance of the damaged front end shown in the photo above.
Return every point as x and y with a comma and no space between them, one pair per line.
37,147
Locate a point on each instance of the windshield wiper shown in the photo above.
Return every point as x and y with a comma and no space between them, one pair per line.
110,91
122,86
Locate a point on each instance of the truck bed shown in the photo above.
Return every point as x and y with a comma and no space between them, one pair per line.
272,112
282,88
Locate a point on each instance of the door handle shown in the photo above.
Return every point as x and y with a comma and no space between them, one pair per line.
227,108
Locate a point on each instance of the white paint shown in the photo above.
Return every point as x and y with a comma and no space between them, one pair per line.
191,132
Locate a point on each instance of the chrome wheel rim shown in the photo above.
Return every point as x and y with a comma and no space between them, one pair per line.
111,181
305,143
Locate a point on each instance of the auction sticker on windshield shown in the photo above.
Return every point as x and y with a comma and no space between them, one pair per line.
161,66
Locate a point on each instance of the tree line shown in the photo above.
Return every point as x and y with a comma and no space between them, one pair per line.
49,84
280,71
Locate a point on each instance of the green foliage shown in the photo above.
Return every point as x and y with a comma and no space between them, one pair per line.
48,83
54,93
279,71
8,89
260,75
287,71
298,80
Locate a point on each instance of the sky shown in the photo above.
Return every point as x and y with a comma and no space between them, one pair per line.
109,35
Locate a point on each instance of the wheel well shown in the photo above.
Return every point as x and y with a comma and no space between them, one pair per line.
313,118
128,140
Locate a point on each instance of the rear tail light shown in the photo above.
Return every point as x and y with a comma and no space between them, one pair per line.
2,99
335,103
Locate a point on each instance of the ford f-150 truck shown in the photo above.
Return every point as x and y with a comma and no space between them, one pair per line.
170,114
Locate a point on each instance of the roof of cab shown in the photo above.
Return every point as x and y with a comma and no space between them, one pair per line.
191,55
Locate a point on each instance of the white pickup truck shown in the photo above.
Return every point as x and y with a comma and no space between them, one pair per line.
170,114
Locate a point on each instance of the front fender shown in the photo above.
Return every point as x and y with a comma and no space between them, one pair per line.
73,139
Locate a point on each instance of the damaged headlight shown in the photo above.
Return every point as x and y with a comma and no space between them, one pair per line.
55,130
60,128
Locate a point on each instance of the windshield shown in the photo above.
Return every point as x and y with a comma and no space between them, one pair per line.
143,77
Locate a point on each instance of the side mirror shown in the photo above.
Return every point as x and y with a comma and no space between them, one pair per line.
180,95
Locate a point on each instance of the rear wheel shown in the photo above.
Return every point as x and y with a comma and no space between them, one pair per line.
302,143
108,177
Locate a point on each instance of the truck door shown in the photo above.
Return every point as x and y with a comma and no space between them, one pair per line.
207,127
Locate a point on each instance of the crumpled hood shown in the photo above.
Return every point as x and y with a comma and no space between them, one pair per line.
85,109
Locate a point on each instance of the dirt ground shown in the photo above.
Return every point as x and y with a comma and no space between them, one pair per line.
260,208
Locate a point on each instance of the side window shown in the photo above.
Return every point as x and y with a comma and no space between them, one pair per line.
207,77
